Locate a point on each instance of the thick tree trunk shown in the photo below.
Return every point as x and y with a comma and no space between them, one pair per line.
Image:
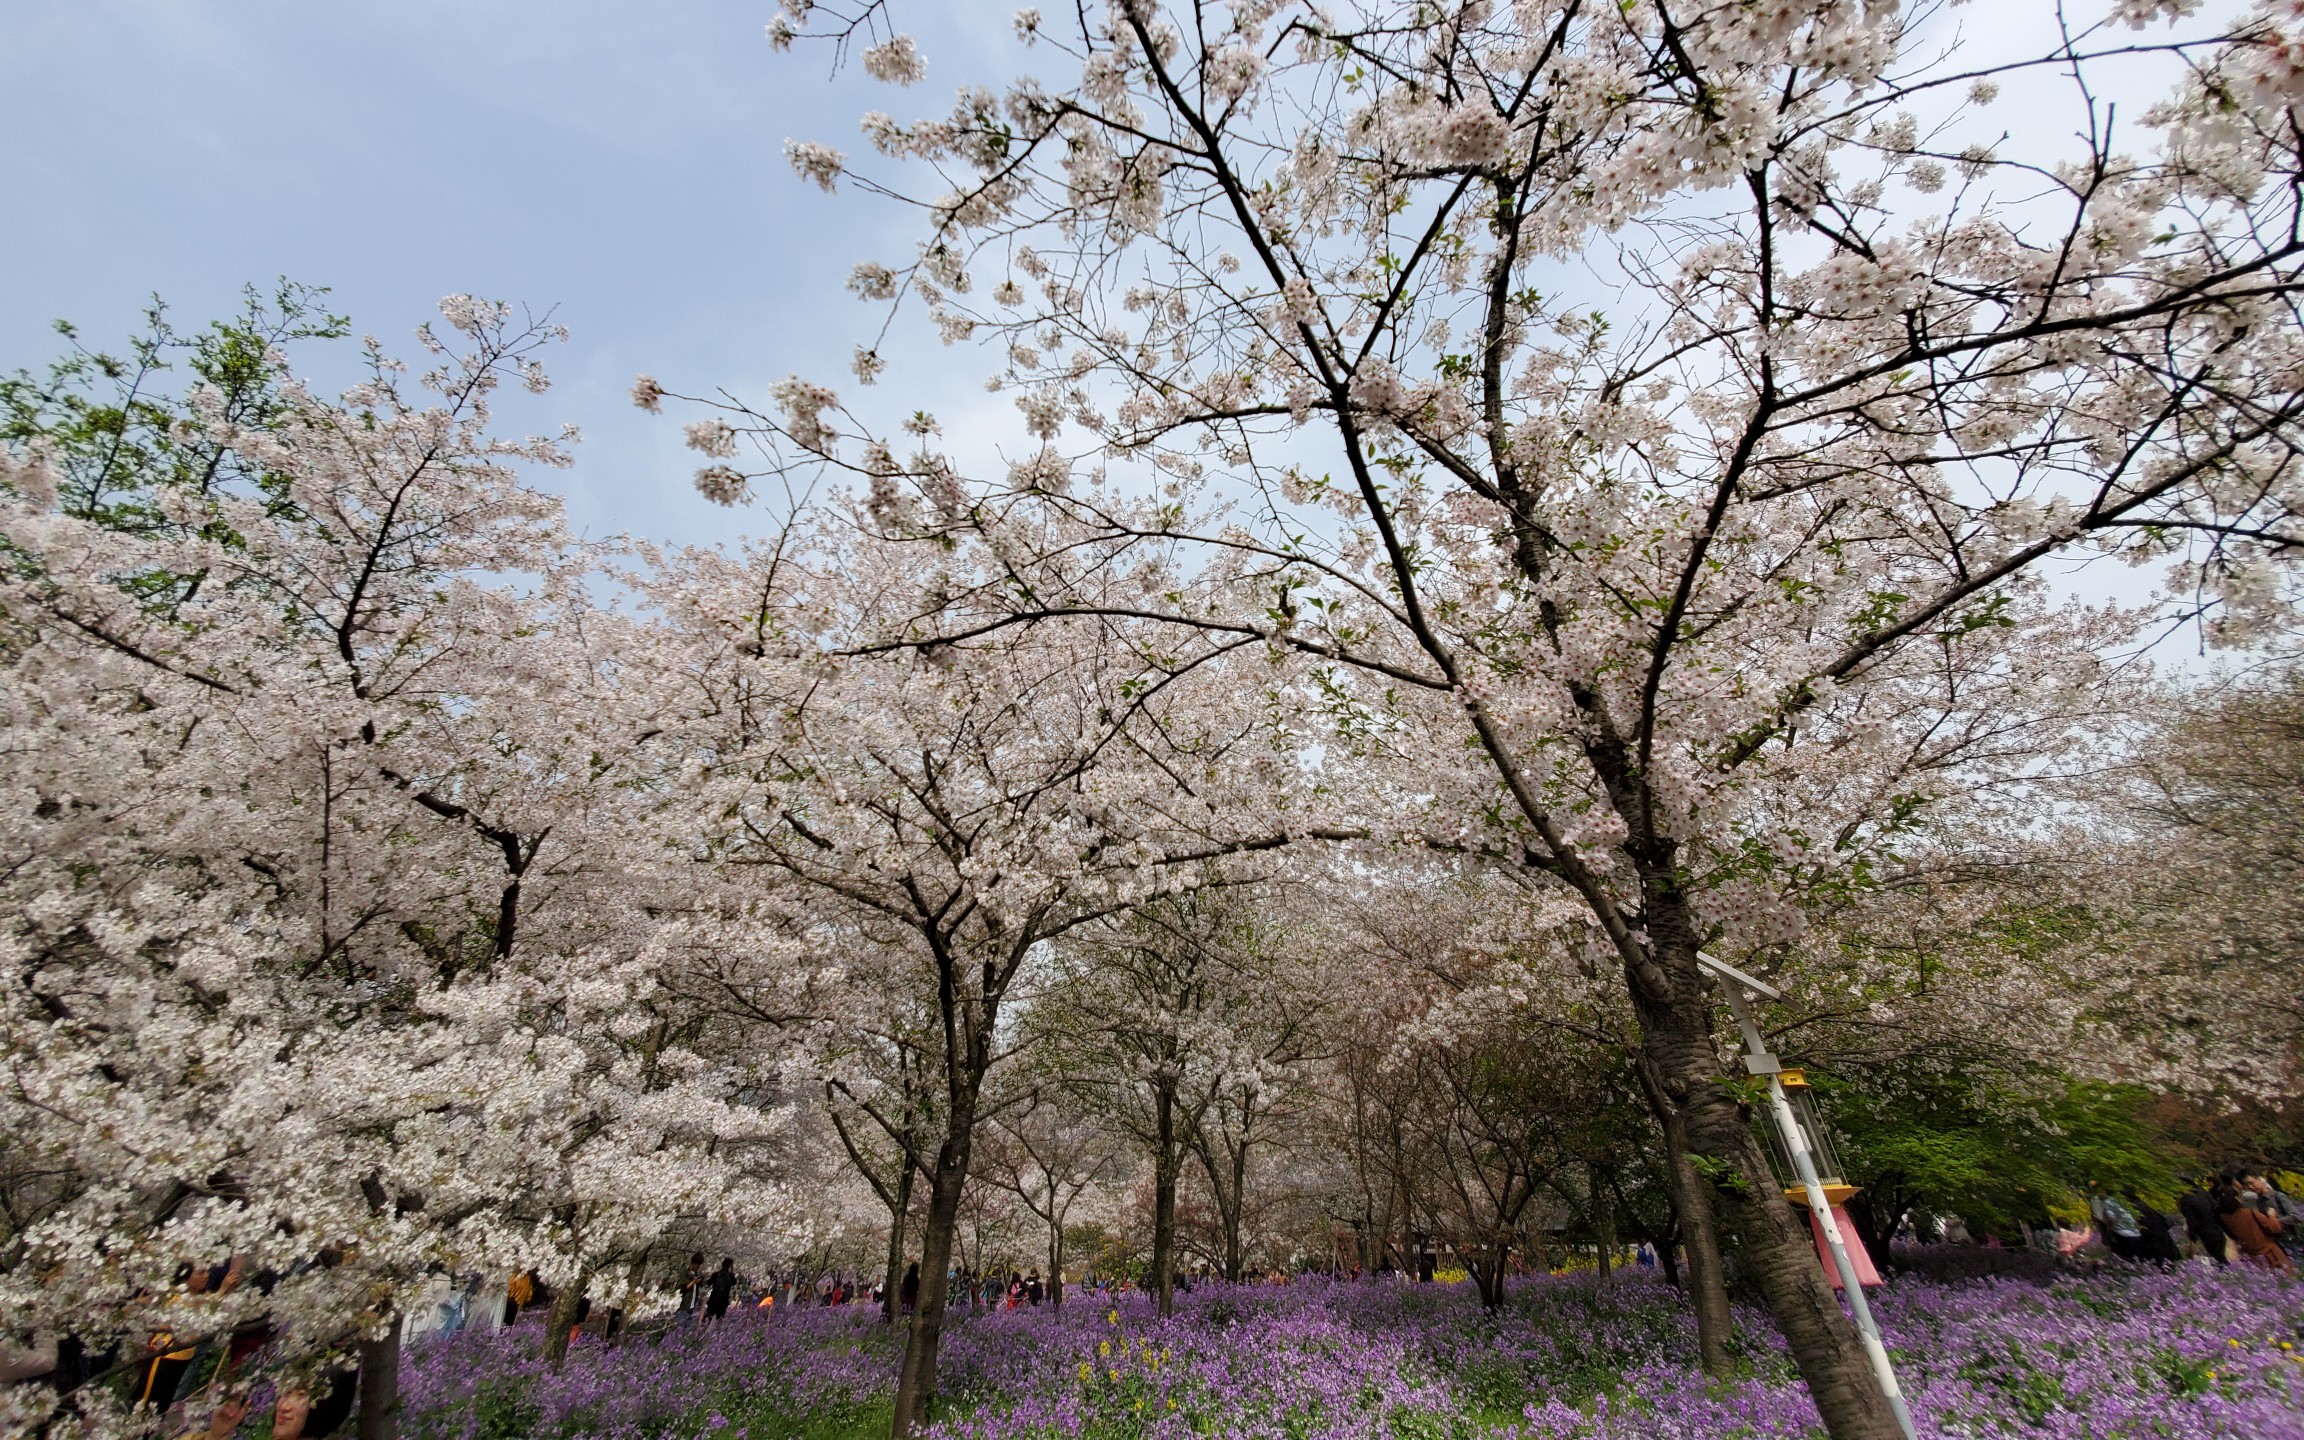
561,1318
1163,1278
916,1384
1692,1207
1668,1256
897,1215
1167,1162
380,1385
1775,1246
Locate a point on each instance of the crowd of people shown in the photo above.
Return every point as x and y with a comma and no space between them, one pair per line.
2235,1217
709,1295
2240,1216
171,1370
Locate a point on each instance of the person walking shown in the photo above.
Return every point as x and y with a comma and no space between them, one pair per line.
2255,1233
2198,1208
2278,1201
2116,1225
692,1289
170,1362
2158,1243
908,1291
485,1310
453,1309
723,1289
431,1305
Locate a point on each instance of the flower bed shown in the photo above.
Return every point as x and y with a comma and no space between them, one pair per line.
2192,1354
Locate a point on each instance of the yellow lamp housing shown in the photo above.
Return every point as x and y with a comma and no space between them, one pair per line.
1820,1150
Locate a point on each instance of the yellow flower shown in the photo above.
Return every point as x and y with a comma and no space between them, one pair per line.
1171,1402
1113,1373
1113,1317
1104,1348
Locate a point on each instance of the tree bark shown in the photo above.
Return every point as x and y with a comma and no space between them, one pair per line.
1235,1217
1707,1277
970,1019
916,1383
380,1385
1668,1256
1165,1165
1225,1161
1488,1271
1603,1220
1676,1038
898,1213
562,1317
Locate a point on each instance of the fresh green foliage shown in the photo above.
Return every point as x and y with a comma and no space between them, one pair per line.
1999,1151
131,436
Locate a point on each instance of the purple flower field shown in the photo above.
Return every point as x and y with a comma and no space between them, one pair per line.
2193,1354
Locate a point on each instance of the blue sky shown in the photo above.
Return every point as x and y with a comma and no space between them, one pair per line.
618,162
621,162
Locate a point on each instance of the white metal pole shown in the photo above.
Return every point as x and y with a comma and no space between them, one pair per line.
1761,1062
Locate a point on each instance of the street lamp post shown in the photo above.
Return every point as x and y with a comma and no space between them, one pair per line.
1740,988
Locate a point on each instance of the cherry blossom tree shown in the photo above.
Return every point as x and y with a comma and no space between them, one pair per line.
881,1092
324,944
1669,401
1273,988
1134,1022
965,805
1497,1074
2199,827
1050,1156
